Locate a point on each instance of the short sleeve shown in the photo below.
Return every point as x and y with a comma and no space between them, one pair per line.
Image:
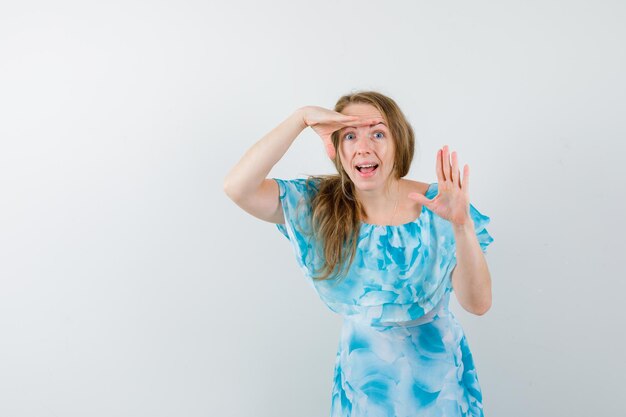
295,197
484,238
480,223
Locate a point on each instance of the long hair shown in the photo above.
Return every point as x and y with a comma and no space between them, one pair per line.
336,212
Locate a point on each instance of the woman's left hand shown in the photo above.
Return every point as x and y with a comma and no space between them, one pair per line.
452,201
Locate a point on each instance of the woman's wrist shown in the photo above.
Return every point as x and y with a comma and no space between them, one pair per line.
299,114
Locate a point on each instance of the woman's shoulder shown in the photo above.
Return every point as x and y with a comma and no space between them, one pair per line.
416,186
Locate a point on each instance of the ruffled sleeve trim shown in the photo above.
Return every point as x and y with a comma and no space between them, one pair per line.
480,220
480,223
295,197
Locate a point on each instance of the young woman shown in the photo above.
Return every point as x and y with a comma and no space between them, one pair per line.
383,251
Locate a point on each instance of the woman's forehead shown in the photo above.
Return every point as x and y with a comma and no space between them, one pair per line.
362,109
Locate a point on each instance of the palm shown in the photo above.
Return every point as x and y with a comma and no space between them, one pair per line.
450,205
326,130
452,200
324,122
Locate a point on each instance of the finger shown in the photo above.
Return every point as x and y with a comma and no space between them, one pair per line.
369,116
366,121
466,179
439,169
356,123
420,198
455,170
446,164
346,118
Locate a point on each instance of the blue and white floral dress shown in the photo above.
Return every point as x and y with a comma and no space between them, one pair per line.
401,351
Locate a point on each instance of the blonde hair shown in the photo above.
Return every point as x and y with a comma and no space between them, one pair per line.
336,212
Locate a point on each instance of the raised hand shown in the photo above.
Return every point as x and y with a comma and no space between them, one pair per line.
324,122
452,201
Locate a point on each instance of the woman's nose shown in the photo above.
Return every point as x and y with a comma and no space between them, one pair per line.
363,142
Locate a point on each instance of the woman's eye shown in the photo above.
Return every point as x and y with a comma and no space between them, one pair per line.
350,135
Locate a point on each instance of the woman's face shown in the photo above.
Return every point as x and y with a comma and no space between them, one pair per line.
367,145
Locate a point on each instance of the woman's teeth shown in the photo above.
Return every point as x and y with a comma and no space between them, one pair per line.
366,170
360,167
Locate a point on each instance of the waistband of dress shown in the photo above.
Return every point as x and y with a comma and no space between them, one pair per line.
437,311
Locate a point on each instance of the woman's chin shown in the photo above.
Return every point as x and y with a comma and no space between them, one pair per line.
365,185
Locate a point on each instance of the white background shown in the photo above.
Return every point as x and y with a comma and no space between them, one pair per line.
130,285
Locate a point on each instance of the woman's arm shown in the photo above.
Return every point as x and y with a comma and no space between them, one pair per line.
471,279
246,183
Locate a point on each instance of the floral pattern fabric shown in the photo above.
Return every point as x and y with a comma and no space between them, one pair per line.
401,350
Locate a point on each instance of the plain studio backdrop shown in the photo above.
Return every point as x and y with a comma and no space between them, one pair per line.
130,285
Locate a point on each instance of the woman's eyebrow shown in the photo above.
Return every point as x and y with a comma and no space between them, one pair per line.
372,125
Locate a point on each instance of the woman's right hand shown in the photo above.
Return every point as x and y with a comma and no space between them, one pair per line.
324,122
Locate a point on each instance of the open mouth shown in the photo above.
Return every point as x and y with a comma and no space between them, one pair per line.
367,168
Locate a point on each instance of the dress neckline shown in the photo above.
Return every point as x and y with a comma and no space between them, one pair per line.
398,226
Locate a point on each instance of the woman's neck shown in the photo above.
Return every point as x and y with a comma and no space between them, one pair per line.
380,203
